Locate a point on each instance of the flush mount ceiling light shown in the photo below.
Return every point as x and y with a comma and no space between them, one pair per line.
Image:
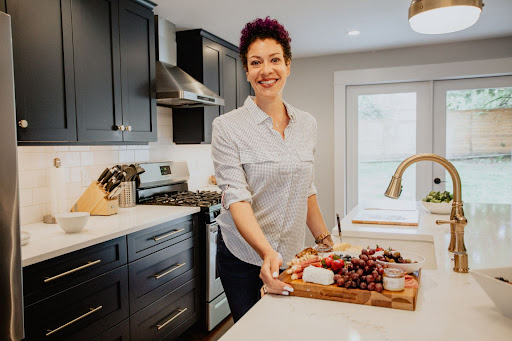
354,33
443,16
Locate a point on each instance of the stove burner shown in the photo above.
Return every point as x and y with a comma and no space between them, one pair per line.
189,198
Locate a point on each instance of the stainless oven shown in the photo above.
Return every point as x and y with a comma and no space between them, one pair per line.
217,303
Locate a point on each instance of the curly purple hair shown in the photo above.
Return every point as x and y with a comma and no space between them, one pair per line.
264,29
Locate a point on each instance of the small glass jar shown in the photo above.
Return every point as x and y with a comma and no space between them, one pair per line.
393,279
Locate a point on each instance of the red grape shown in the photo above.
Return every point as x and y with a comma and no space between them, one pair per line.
379,287
371,286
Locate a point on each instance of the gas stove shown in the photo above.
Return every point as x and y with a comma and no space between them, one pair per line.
208,199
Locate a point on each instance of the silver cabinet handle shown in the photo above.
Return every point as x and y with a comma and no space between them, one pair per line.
49,279
23,123
91,311
129,128
169,271
121,127
167,235
181,311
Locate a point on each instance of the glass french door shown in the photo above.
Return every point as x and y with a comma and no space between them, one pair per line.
473,129
387,123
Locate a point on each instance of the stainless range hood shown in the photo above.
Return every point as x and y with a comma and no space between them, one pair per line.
174,87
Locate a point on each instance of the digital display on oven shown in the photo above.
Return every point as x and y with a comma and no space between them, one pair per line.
164,170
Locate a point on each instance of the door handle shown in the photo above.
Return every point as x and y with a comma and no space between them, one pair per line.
49,279
91,311
169,271
160,326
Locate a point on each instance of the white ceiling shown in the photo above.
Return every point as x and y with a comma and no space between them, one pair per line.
319,27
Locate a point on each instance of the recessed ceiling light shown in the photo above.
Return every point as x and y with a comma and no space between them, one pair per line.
354,33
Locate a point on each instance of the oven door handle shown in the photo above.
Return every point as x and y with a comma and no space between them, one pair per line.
213,228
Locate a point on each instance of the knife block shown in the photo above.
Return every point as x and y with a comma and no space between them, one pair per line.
94,200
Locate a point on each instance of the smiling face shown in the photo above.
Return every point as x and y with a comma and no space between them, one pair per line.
267,68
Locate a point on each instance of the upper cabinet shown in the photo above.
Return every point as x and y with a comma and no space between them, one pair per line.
84,70
215,63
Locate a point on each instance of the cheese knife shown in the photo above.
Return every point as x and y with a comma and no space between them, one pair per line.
339,225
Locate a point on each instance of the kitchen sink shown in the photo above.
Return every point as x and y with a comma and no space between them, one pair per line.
419,244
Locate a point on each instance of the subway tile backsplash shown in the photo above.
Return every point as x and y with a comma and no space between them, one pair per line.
84,164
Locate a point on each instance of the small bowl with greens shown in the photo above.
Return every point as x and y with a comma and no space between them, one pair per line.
438,202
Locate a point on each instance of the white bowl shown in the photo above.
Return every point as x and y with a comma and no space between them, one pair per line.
438,208
498,291
407,267
72,222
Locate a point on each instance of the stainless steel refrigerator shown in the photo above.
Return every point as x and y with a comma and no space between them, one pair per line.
11,293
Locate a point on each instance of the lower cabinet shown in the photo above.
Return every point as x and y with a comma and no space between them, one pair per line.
96,294
168,317
82,312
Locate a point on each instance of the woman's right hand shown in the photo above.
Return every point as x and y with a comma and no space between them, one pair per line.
270,271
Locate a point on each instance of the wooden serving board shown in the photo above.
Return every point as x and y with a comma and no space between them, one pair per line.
386,217
405,300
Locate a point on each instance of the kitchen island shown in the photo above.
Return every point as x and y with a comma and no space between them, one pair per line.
450,306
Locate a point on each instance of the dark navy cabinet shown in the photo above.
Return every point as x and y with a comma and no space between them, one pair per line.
214,62
143,286
84,70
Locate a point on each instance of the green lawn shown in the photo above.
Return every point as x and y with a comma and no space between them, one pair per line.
484,180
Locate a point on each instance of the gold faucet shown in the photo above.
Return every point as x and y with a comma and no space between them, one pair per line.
457,220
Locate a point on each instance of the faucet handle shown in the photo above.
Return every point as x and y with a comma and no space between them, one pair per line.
440,222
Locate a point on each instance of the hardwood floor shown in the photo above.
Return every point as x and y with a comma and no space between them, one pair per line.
195,333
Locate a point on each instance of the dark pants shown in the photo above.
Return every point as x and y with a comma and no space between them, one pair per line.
241,280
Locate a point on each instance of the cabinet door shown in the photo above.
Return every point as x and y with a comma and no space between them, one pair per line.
97,69
230,83
212,73
43,69
137,36
244,87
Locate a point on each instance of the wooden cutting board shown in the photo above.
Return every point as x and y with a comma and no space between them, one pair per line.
405,300
386,217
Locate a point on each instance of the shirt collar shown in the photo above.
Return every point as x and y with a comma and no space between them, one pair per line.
259,116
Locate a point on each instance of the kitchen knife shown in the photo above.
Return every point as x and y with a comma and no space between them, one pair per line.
105,172
111,183
107,177
339,225
114,185
114,193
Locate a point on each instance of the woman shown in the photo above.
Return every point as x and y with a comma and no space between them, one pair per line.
263,154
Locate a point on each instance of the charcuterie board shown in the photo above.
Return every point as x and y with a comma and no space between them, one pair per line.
405,300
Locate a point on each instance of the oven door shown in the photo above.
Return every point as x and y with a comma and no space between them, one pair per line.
213,285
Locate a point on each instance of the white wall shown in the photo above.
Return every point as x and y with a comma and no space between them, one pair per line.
310,88
84,164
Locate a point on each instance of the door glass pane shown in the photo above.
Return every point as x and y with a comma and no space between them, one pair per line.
479,143
386,136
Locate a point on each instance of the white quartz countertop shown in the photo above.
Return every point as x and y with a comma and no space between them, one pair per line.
49,240
450,306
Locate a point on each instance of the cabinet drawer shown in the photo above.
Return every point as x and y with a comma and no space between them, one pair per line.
150,240
121,332
82,312
169,317
44,279
162,272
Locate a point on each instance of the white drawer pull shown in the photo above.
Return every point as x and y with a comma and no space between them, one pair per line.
167,235
181,311
92,311
169,271
49,279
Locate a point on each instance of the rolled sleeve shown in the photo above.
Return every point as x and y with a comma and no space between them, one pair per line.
229,173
